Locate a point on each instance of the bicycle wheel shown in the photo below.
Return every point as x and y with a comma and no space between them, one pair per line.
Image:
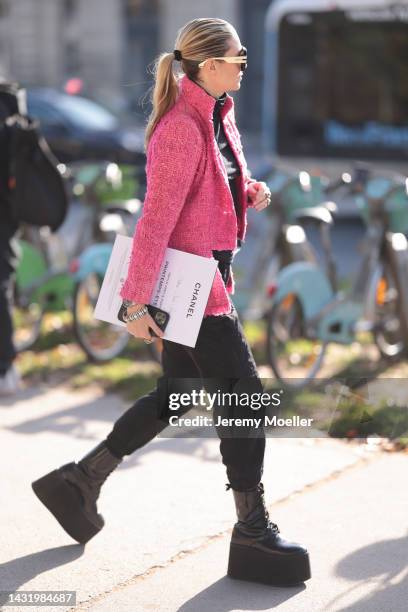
101,341
27,320
294,357
388,332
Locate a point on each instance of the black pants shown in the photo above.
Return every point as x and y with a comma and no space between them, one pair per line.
221,360
7,266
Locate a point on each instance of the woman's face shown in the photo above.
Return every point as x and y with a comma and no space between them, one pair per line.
221,76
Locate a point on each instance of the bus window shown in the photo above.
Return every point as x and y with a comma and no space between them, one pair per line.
342,84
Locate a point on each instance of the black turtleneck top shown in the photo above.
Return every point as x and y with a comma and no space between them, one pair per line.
227,155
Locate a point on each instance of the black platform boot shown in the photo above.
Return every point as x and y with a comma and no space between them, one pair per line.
257,551
70,492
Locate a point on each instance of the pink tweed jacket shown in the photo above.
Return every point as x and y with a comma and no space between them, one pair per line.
188,204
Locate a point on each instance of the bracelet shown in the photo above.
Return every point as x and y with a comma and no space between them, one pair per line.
136,315
128,303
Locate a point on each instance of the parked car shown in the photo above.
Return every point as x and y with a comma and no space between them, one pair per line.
78,128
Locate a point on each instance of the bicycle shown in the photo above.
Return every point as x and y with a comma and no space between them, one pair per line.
309,312
45,277
274,239
102,341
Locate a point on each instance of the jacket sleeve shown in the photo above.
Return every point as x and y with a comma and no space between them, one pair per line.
172,160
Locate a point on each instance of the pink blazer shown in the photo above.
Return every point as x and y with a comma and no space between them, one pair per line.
188,204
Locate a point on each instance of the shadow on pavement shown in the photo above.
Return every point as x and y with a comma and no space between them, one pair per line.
192,447
77,422
383,562
227,594
25,394
16,573
72,421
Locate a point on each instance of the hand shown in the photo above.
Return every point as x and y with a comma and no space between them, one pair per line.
260,195
140,327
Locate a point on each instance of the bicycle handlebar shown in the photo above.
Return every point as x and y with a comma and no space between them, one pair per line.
362,174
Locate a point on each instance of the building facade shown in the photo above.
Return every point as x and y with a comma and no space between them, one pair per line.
111,45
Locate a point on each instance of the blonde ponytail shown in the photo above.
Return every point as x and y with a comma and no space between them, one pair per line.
165,92
198,40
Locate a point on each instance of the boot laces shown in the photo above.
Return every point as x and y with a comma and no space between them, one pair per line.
269,524
273,527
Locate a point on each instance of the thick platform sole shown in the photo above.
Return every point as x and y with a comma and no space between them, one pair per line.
248,563
64,502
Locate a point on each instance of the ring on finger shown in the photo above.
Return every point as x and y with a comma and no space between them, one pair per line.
147,341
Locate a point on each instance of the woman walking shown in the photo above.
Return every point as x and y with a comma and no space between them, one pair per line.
198,190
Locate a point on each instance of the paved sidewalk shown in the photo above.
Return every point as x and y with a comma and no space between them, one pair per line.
166,508
355,527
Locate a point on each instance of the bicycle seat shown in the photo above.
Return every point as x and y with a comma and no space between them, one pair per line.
320,214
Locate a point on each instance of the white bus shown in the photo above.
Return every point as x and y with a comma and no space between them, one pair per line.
336,84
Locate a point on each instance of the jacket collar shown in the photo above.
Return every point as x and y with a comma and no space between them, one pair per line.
201,100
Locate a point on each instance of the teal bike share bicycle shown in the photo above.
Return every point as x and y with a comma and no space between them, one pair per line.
309,312
54,272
